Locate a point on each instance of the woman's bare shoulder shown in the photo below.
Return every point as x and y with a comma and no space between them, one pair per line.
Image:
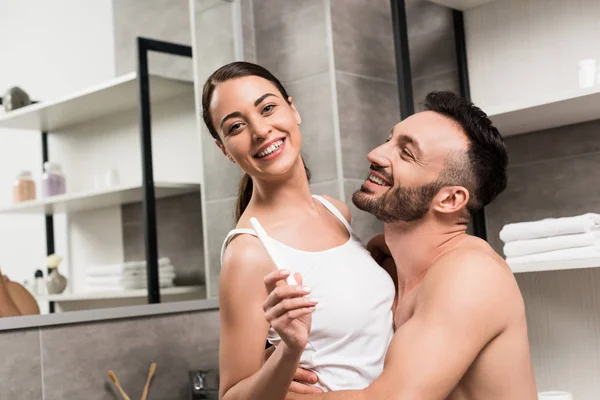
340,205
245,259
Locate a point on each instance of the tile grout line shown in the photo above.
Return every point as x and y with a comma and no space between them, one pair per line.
369,78
434,75
251,2
238,30
221,199
305,78
42,364
337,135
552,159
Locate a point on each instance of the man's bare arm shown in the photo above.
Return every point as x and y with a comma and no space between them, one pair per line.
461,307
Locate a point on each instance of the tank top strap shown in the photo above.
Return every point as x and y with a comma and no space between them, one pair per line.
231,234
334,210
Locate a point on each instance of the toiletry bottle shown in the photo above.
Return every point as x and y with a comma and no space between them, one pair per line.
53,180
23,187
40,288
587,73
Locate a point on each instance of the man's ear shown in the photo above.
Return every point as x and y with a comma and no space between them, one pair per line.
296,113
451,199
225,153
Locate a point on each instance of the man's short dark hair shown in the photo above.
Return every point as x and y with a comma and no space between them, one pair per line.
483,171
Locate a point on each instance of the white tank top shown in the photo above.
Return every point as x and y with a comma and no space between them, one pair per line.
353,323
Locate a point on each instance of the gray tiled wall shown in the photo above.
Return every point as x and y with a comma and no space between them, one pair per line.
72,362
431,47
21,367
368,109
363,41
179,231
291,38
367,92
167,20
313,99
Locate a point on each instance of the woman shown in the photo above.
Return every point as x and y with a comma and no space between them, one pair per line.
343,339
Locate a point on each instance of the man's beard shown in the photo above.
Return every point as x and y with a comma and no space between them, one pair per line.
400,204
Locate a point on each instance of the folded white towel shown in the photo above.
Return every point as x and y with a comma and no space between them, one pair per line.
120,288
576,253
129,267
533,246
549,227
118,280
136,284
166,269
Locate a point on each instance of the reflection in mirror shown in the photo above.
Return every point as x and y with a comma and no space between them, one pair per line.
72,215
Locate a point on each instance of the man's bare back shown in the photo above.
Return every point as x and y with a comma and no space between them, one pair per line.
502,369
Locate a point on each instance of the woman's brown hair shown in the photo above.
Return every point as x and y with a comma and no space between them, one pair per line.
238,69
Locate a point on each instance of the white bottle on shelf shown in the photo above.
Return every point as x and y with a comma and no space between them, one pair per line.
587,73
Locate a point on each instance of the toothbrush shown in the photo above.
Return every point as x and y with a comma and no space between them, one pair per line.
115,381
271,251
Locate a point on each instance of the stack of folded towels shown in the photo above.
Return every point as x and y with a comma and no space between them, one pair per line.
127,276
552,239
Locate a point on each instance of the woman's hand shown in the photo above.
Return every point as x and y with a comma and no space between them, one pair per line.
288,309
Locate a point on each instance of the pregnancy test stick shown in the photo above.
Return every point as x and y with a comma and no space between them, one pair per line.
271,251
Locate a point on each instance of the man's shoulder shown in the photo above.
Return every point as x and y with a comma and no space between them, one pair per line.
470,261
470,278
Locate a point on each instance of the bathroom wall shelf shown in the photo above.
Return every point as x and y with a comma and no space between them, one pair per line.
123,294
98,101
462,4
555,265
75,202
520,117
138,90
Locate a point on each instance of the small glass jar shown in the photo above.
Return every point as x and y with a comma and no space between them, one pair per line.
23,187
53,180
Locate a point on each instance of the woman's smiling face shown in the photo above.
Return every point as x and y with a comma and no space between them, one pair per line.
258,127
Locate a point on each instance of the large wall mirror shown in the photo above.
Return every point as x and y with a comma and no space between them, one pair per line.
80,228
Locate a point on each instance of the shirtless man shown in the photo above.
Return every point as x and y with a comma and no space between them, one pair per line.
15,300
460,322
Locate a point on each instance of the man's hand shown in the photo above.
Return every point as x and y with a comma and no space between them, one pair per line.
383,256
378,249
302,379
